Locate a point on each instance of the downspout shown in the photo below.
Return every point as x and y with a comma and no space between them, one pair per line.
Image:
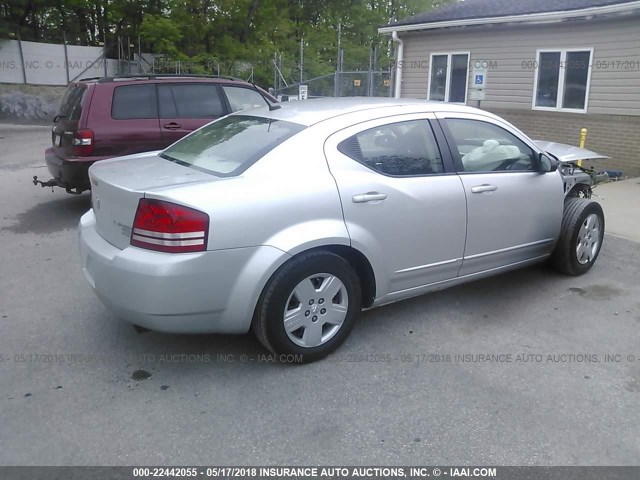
399,56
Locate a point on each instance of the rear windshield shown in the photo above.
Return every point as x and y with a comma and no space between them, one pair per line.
71,105
230,145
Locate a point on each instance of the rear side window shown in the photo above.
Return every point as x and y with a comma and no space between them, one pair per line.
231,145
190,100
134,101
243,98
72,102
398,149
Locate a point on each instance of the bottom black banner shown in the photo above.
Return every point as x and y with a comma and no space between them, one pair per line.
314,472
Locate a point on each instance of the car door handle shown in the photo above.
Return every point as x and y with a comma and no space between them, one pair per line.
484,188
172,126
369,197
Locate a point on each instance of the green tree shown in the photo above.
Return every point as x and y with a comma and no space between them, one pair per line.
161,33
238,37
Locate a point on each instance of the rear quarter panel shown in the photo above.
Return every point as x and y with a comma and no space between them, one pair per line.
287,200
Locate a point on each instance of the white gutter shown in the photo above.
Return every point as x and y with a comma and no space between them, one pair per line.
399,56
542,17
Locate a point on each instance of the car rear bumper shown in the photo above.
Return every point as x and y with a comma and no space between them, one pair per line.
204,292
70,172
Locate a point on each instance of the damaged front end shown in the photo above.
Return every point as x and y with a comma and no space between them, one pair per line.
579,178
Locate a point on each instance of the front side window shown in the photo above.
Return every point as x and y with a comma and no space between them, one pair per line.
448,77
562,80
485,147
398,149
230,145
190,100
243,98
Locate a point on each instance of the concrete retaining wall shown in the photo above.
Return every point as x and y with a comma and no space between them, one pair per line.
29,103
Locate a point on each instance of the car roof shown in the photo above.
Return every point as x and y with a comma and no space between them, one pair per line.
312,111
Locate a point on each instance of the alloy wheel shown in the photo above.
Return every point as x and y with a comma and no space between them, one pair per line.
315,310
588,241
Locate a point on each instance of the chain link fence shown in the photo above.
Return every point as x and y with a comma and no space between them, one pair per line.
378,83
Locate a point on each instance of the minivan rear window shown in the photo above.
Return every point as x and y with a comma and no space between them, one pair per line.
227,147
71,105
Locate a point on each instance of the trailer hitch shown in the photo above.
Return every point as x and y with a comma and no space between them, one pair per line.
50,183
53,183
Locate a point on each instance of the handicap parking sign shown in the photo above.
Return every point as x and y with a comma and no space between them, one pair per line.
479,77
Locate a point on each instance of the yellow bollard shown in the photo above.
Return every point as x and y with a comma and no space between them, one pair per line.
583,140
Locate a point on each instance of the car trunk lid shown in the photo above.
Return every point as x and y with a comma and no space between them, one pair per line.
117,185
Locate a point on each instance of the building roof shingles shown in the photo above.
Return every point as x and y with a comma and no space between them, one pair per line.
469,9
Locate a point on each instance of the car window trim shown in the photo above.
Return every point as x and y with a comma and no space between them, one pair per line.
175,108
225,106
113,96
457,160
443,146
225,101
246,87
445,155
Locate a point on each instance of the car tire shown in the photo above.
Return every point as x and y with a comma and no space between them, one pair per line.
308,307
581,236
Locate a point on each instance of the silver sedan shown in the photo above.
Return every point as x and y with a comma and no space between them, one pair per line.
290,220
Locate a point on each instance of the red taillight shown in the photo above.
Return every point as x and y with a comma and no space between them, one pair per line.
82,143
168,227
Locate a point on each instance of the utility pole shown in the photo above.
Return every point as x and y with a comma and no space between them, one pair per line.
139,56
339,58
66,56
337,81
275,71
370,77
301,58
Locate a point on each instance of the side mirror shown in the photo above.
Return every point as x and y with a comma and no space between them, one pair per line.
547,164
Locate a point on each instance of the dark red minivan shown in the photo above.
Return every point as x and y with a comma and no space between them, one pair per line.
108,117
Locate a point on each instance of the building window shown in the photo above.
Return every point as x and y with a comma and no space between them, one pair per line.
448,77
562,80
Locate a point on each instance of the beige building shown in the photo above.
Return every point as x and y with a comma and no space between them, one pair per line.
551,67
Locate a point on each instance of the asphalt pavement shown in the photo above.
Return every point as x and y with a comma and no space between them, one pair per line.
527,368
